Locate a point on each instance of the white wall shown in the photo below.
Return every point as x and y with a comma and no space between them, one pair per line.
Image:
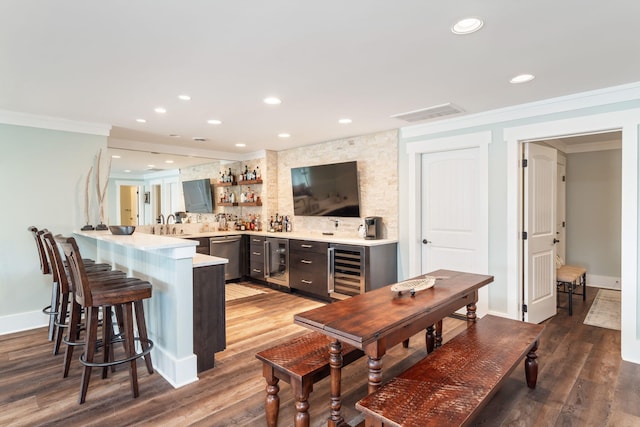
593,211
42,183
607,109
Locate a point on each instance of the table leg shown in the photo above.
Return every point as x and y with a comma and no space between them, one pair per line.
471,312
335,362
375,373
429,339
439,334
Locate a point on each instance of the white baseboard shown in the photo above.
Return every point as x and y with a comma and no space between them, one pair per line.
23,322
607,282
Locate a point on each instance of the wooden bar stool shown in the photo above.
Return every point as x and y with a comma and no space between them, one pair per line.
123,295
96,272
45,268
568,278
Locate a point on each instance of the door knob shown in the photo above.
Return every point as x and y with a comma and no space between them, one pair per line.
556,241
425,241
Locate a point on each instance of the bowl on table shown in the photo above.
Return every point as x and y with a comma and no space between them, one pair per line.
122,229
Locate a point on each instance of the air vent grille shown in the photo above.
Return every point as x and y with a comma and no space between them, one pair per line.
429,113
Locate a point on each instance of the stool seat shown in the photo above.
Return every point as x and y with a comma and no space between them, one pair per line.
568,278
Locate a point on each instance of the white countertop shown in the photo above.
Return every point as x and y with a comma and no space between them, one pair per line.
140,241
315,236
202,260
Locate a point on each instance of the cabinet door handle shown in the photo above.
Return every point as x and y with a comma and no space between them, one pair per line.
306,246
306,282
305,261
256,253
255,270
256,240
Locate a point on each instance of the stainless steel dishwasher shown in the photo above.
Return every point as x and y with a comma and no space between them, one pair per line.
227,247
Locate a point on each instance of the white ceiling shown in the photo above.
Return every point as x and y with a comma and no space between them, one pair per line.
114,61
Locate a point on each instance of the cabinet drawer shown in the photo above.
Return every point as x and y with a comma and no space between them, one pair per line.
308,246
309,272
257,271
256,251
257,240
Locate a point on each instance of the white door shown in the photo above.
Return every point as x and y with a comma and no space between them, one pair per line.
561,218
540,227
454,214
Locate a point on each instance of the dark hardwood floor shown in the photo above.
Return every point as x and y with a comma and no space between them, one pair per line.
582,380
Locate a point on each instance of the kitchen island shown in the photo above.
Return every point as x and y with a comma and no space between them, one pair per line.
168,263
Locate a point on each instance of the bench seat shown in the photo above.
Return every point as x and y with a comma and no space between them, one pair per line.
568,278
300,362
452,384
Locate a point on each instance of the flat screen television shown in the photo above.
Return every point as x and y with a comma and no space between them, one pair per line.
326,190
198,195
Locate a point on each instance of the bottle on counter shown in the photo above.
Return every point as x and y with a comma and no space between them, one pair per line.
257,172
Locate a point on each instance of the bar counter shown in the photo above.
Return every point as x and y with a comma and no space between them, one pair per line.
168,263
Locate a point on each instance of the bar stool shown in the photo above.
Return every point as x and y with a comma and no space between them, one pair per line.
123,295
44,267
96,272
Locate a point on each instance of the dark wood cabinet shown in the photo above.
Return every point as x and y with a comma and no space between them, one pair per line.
308,267
203,245
256,257
209,336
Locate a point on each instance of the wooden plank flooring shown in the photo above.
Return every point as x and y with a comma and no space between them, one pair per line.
582,380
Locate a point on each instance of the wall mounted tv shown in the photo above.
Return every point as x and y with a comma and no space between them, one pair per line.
326,190
198,195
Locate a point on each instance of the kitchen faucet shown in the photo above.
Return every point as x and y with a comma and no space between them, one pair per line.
171,216
160,219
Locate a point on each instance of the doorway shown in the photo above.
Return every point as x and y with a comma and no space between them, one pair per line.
597,124
450,204
128,205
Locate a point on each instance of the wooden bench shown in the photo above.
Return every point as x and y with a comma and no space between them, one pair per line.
451,385
300,362
568,277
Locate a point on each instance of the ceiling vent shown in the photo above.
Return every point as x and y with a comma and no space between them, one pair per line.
429,113
199,139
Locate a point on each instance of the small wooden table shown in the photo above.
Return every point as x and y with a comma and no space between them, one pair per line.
380,319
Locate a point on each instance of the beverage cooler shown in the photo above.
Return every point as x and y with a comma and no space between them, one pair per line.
346,271
276,263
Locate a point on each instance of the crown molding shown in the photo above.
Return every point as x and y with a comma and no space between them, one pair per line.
595,98
53,123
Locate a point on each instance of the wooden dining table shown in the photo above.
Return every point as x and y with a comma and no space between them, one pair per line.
379,319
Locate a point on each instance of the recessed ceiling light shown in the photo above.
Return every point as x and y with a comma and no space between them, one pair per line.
184,97
141,121
283,135
160,110
151,166
168,161
344,121
127,170
467,26
272,100
214,122
241,144
522,78
174,135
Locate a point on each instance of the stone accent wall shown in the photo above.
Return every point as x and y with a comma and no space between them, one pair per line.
377,157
